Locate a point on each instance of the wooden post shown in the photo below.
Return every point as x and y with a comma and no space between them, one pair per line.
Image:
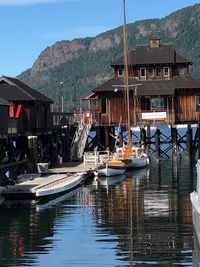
174,153
148,138
157,144
143,138
198,140
174,141
189,141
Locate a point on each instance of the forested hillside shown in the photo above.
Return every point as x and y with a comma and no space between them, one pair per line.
82,64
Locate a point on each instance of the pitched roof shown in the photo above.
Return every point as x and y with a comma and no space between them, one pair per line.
3,102
13,89
150,87
165,54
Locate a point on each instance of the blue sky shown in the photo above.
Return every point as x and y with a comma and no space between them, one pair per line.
29,26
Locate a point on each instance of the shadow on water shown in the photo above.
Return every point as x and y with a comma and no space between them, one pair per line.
143,218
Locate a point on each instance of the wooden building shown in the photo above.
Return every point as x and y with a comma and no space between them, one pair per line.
4,108
29,110
161,89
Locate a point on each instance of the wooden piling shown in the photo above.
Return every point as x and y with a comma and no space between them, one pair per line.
189,141
198,141
157,144
143,138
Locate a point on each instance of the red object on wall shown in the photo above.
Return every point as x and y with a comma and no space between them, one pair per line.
18,111
11,111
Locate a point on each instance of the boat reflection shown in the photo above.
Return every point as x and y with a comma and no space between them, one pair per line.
195,252
142,173
53,202
110,181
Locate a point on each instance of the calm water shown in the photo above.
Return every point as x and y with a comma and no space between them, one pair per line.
141,219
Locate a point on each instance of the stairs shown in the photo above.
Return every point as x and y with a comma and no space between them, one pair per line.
79,141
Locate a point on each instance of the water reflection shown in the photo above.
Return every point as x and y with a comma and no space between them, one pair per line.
196,252
27,229
140,219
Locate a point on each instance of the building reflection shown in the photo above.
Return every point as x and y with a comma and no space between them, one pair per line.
148,215
27,228
147,212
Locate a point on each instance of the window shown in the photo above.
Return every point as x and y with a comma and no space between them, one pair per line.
157,103
198,103
103,105
181,71
143,73
120,72
150,72
166,71
158,71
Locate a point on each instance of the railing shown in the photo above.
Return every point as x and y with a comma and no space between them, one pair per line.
78,116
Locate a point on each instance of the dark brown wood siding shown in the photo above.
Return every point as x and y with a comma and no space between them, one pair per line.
4,119
185,109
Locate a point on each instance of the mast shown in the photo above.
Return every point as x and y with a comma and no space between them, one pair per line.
126,76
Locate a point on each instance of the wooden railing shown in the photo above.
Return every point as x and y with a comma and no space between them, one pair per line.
78,116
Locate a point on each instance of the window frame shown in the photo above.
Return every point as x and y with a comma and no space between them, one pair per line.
104,105
157,72
159,107
153,72
122,72
145,73
197,101
166,75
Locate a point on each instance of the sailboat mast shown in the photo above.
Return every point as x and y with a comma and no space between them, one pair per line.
126,76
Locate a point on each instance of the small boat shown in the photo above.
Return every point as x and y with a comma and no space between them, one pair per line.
112,168
132,156
195,200
41,186
59,186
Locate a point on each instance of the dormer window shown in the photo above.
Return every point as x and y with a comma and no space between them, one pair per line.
120,72
166,72
158,71
181,71
150,72
143,73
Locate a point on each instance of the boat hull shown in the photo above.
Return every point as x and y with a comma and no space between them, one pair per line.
196,214
137,162
59,188
109,171
48,186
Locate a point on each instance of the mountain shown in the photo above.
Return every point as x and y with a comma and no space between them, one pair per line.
82,64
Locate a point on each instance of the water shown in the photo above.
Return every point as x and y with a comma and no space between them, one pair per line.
141,219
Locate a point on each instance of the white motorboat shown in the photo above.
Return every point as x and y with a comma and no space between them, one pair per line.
112,168
49,185
195,199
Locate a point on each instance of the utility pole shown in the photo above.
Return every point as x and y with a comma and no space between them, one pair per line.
61,89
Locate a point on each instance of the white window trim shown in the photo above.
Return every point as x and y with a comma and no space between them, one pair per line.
120,75
153,72
164,72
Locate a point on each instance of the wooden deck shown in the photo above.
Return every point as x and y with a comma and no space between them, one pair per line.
73,167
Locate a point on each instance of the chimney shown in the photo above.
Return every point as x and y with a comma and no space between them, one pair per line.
155,42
